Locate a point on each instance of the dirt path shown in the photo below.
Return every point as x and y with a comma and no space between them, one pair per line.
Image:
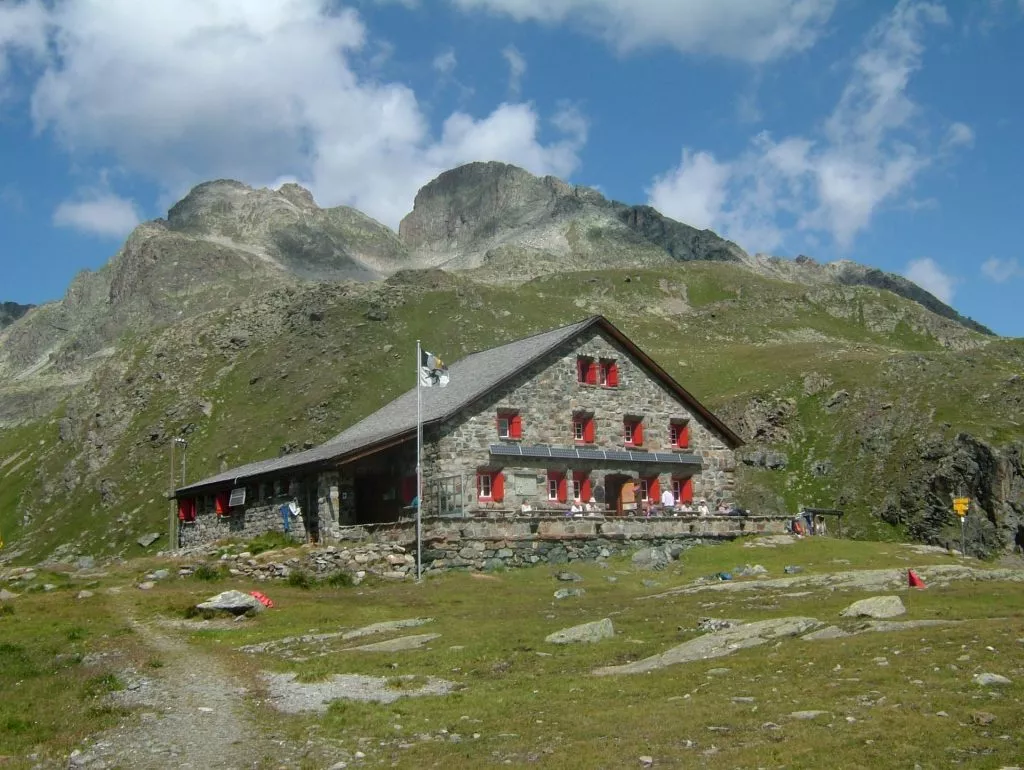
189,714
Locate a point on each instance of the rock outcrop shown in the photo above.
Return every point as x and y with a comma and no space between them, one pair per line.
11,312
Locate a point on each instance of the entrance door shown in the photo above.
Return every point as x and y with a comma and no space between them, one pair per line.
618,488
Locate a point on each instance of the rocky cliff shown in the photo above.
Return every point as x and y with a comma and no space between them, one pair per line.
482,214
11,312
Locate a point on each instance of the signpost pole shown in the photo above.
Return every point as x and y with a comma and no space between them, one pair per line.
963,537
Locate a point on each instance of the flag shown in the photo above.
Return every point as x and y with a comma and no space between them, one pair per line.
433,370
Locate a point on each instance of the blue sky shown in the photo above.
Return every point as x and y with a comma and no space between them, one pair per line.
882,132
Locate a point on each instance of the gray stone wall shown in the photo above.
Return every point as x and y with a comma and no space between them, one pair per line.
486,544
243,522
547,395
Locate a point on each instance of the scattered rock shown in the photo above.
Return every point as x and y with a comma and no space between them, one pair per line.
387,625
566,593
750,571
233,602
569,577
161,574
293,697
716,624
987,679
146,585
147,540
399,644
718,644
808,714
6,596
828,632
85,562
587,632
983,717
84,594
836,400
792,569
879,607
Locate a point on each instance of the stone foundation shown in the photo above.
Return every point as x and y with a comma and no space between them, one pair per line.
500,543
247,522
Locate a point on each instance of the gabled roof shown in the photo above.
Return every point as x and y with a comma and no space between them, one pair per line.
470,378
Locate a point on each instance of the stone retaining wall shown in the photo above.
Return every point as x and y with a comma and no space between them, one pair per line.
488,544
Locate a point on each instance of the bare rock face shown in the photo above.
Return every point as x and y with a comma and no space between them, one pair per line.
485,212
11,312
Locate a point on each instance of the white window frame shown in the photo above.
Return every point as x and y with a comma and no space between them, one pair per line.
485,486
677,490
504,426
579,429
577,490
644,490
628,428
553,487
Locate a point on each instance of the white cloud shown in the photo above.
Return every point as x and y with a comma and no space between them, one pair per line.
98,213
186,90
1001,270
869,151
749,30
694,192
927,274
960,135
22,33
516,70
445,62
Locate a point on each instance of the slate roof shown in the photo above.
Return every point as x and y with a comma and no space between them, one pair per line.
469,379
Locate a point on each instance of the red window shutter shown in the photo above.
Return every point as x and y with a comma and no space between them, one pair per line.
591,372
562,488
638,433
584,480
498,487
653,490
686,496
183,509
221,503
588,430
684,436
515,426
613,375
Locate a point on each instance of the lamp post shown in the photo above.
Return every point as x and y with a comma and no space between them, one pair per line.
172,521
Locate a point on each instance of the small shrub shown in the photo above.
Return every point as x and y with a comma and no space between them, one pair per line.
300,579
339,580
6,609
210,572
76,634
101,685
269,541
155,663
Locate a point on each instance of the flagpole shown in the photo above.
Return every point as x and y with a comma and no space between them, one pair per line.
419,467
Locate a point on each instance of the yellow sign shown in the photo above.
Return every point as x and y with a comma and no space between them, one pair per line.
960,505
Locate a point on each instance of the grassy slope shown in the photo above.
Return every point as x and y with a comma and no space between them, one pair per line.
531,702
725,333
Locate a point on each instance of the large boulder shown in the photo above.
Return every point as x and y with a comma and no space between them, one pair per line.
652,558
878,607
588,632
233,602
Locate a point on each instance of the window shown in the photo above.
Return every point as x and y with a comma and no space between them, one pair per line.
580,486
633,431
490,486
679,434
583,429
556,486
649,491
510,425
609,373
683,490
187,509
586,370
